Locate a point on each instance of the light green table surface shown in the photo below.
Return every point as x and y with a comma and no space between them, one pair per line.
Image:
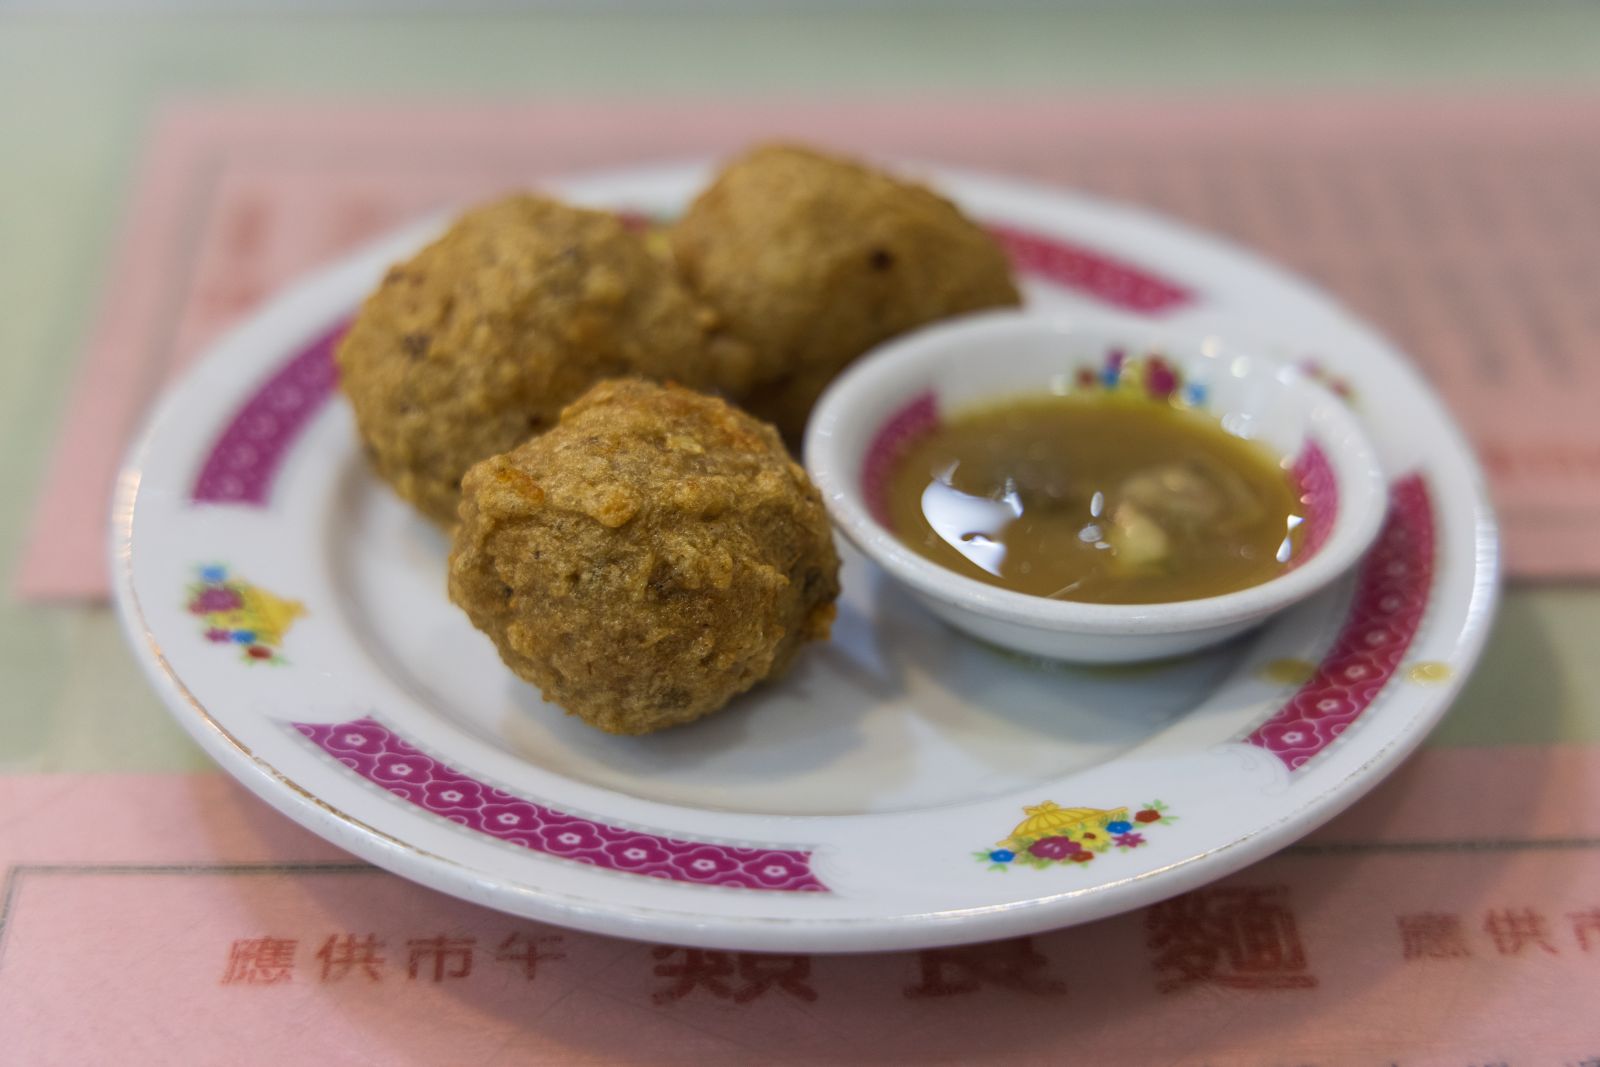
77,94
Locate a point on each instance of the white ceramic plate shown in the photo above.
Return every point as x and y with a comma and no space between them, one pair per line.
903,786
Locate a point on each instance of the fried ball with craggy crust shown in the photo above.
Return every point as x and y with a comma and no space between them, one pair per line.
814,260
652,556
480,339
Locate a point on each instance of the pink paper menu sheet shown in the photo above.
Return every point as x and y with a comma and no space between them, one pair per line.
1436,923
1467,230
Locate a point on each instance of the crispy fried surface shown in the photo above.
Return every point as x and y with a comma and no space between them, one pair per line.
815,259
653,555
481,338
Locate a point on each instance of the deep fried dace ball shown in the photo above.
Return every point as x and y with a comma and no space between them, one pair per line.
480,339
652,556
815,259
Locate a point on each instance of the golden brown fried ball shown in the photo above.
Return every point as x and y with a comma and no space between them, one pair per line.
815,259
653,555
479,340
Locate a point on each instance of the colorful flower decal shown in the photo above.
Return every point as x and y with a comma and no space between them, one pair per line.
1150,375
234,612
1051,835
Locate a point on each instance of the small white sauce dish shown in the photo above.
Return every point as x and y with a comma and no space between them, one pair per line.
894,395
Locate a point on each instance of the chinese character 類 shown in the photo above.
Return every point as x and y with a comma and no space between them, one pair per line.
715,972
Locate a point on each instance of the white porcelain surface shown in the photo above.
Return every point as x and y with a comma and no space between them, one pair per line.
894,758
988,357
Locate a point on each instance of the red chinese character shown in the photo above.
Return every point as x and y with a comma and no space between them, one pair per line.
1586,926
700,968
1515,930
1015,965
1431,935
341,955
442,950
260,961
1242,938
520,948
759,972
713,971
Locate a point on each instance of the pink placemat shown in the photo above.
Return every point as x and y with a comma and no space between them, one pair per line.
1468,230
175,919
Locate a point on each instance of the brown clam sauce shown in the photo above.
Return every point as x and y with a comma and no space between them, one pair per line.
1101,499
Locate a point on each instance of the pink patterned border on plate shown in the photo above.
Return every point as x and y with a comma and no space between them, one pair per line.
1391,597
246,457
1112,281
382,757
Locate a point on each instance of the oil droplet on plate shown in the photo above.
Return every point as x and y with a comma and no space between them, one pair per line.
1287,671
1429,672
